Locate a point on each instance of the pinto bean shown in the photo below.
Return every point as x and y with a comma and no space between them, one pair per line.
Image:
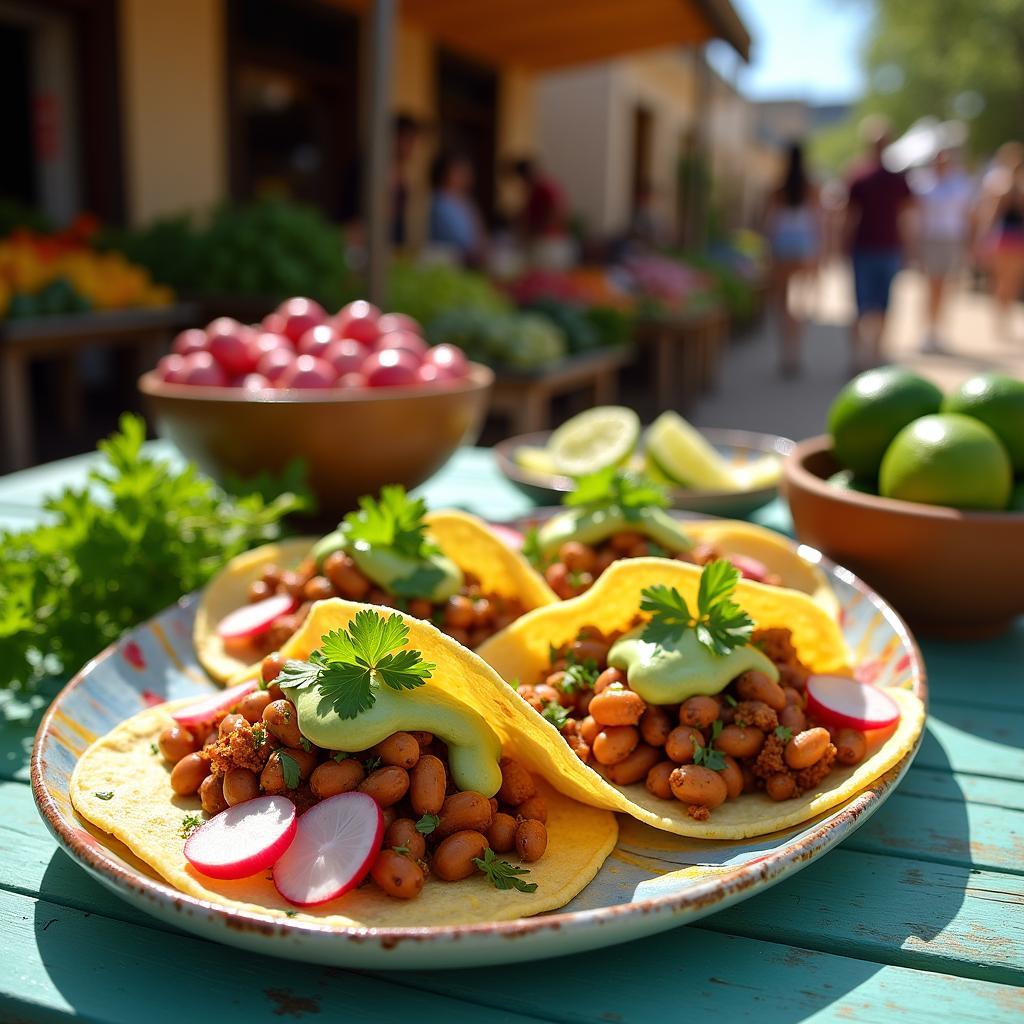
270,667
502,833
282,722
334,777
623,542
175,742
424,739
252,706
188,774
420,608
755,685
346,579
806,747
616,706
402,832
229,723
453,858
793,696
240,784
400,749
386,785
397,875
733,777
699,712
531,840
517,783
317,588
740,741
211,793
427,784
464,810
851,745
609,677
655,726
780,786
458,612
793,718
589,728
577,557
695,784
636,766
681,743
536,808
658,779
590,649
615,743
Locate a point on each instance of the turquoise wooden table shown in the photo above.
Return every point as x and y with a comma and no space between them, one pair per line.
918,917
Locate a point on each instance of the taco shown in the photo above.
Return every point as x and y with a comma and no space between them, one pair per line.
374,751
686,698
447,567
613,514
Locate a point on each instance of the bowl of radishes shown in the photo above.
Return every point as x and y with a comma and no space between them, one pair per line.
359,396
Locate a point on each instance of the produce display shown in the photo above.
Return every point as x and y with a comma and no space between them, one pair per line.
516,341
896,434
301,347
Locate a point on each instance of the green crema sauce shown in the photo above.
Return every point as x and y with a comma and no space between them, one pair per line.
669,673
473,747
594,526
435,577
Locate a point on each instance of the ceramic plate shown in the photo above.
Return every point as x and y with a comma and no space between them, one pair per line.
652,881
738,446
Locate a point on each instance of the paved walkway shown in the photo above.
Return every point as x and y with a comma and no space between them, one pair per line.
752,395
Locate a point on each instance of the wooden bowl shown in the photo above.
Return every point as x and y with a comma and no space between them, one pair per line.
953,574
353,441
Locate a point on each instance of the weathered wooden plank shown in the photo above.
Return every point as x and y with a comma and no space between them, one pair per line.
985,674
975,741
972,789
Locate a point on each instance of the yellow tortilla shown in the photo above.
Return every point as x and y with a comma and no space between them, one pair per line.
521,652
733,537
146,816
466,540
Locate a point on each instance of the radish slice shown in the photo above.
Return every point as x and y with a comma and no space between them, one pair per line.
244,839
510,538
750,568
842,702
334,848
256,618
208,708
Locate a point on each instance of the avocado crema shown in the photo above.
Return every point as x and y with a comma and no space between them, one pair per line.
592,526
473,746
433,577
670,672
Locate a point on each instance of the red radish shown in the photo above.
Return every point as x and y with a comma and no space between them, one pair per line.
256,618
255,382
750,568
299,316
316,340
843,702
246,838
273,323
171,368
394,367
192,340
350,380
402,339
264,342
308,372
230,343
273,364
510,538
358,320
427,373
399,322
206,710
335,845
449,359
202,369
346,356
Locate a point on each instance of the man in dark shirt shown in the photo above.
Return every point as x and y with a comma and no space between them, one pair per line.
875,237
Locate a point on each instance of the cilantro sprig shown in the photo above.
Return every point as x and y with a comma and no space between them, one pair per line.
427,823
709,757
555,714
720,624
503,875
189,824
394,520
350,665
616,488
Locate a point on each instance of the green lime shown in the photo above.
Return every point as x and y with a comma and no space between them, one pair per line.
947,459
595,439
998,401
872,409
685,456
847,480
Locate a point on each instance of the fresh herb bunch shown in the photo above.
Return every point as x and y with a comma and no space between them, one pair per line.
141,533
351,664
615,488
720,624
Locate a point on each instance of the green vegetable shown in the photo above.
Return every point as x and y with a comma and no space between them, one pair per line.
503,875
427,292
427,823
555,714
784,733
105,794
394,521
721,625
139,535
709,757
350,664
615,488
189,824
289,769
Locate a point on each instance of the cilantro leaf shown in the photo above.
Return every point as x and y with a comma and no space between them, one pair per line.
784,733
371,764
709,757
555,714
299,674
402,851
189,824
731,700
670,614
289,769
393,521
616,488
104,794
579,675
503,875
532,550
427,824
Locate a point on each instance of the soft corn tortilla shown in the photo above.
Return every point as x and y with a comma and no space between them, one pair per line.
146,816
465,539
521,652
732,537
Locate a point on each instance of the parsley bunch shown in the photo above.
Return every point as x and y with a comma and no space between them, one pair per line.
351,664
720,624
139,535
616,488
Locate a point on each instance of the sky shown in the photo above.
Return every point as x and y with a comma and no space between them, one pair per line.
801,49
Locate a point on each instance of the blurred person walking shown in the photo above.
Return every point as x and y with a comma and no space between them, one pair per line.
946,197
1002,230
542,214
793,224
455,223
875,235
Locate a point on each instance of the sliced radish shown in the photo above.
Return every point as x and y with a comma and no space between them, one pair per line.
750,568
244,839
508,536
842,702
335,845
208,708
256,618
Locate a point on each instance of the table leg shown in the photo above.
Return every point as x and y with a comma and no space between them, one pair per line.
15,409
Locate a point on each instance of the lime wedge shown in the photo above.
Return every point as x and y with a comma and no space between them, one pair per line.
762,472
535,460
686,457
595,439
